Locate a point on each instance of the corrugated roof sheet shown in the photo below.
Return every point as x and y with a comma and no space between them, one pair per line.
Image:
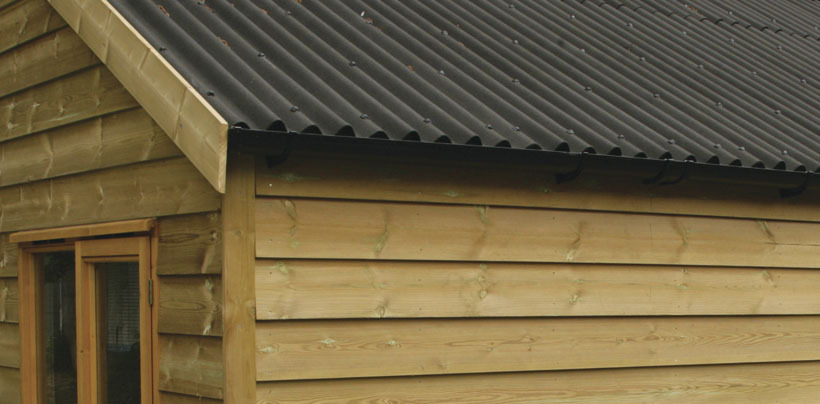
720,82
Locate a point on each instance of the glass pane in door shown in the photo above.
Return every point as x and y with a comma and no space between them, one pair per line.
59,328
119,331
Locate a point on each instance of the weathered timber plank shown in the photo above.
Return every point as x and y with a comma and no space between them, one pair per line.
79,96
190,244
26,20
8,256
238,280
293,350
158,188
109,141
9,300
10,385
43,59
9,345
191,365
370,178
782,383
172,398
190,305
392,289
308,228
198,130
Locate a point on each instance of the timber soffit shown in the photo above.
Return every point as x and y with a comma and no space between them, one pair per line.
713,82
183,114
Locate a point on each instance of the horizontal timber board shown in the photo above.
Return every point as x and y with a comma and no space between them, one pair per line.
190,244
369,178
9,300
313,228
190,305
782,383
76,97
10,385
113,140
26,20
46,58
8,257
316,289
191,365
157,188
9,345
290,350
172,398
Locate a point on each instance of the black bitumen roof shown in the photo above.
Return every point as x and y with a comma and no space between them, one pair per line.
724,82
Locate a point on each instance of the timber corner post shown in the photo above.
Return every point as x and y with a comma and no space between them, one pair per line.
239,345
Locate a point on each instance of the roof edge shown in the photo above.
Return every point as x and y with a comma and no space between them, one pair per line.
182,113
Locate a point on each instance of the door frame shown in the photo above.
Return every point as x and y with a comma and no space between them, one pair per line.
91,244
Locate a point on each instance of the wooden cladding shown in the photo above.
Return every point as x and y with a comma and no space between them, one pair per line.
366,348
306,228
157,188
368,177
783,383
48,57
317,289
26,20
85,94
191,365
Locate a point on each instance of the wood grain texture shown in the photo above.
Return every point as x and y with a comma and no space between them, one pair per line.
306,289
10,385
85,231
48,57
104,142
172,398
238,280
308,228
26,20
76,97
9,345
9,300
191,365
782,383
8,256
190,244
190,305
198,130
158,188
369,177
365,348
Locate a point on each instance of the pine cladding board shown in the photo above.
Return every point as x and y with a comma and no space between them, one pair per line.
26,20
404,179
328,289
157,188
46,58
9,345
308,228
190,305
10,385
291,350
80,95
109,141
9,300
191,365
782,383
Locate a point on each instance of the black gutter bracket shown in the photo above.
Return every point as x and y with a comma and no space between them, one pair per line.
796,191
561,178
667,164
272,160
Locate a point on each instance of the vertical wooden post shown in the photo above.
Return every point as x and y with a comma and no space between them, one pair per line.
238,338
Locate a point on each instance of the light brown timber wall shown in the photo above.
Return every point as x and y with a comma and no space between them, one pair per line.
421,281
76,148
